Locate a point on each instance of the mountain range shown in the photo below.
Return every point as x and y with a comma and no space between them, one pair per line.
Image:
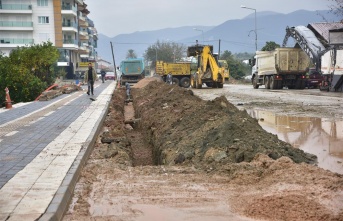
237,35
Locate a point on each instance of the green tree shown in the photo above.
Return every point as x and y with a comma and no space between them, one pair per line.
27,71
237,68
164,51
131,54
270,46
37,59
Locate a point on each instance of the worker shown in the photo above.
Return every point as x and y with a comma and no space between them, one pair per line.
169,79
128,90
103,73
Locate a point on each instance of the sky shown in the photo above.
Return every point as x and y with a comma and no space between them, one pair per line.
114,17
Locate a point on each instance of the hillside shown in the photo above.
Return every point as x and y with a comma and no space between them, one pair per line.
234,34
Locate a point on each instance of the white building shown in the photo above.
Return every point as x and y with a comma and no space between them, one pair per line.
62,22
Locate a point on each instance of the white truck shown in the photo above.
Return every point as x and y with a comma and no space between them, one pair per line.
279,68
332,70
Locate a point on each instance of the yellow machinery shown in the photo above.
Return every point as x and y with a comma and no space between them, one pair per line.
208,71
181,72
223,64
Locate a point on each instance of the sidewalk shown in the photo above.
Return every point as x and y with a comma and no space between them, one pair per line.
42,148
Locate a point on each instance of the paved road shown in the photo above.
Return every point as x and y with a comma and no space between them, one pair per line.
42,145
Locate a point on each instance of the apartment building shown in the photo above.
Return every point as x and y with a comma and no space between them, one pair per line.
62,22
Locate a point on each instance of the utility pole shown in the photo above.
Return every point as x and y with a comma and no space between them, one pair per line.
219,51
114,62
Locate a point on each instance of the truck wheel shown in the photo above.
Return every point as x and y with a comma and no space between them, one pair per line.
209,84
176,81
273,83
299,84
267,82
254,82
279,85
185,82
192,81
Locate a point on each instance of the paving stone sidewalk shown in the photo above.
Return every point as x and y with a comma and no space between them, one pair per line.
42,146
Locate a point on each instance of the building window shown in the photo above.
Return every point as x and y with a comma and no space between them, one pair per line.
42,2
43,19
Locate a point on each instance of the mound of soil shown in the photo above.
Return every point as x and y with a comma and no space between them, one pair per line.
210,137
184,129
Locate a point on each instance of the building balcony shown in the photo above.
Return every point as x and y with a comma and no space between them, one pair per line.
83,37
16,25
83,51
83,33
79,2
13,42
70,44
69,10
84,44
16,9
69,26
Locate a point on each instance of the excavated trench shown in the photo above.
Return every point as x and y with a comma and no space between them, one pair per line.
141,151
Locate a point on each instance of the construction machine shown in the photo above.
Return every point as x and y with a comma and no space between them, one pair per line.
323,43
208,70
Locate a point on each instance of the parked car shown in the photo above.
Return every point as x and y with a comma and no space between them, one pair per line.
314,79
110,76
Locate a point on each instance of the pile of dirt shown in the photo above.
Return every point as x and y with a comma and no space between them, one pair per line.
239,169
184,129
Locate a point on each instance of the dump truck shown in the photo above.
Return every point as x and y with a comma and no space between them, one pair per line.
181,72
283,67
132,70
208,70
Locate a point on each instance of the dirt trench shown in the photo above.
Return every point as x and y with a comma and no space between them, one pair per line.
188,159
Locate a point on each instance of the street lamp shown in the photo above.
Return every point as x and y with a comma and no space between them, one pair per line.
202,32
242,6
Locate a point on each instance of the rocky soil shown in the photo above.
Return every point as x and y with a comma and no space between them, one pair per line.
179,157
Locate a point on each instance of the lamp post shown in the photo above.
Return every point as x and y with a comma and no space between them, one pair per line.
242,6
202,33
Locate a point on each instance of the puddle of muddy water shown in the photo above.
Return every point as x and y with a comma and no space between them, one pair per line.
319,136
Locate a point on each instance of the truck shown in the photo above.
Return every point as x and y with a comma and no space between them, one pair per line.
332,71
132,70
282,67
223,64
208,70
180,72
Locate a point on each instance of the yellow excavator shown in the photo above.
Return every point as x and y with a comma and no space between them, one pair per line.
208,71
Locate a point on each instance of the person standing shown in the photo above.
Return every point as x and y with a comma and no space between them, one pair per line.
128,90
103,73
90,77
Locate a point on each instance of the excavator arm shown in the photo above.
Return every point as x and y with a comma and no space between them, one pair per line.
209,64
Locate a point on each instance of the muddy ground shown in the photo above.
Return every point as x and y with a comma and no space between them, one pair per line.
179,157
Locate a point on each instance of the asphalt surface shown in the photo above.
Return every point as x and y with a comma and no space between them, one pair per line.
43,146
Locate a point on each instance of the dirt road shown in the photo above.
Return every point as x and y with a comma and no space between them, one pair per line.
311,103
183,158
